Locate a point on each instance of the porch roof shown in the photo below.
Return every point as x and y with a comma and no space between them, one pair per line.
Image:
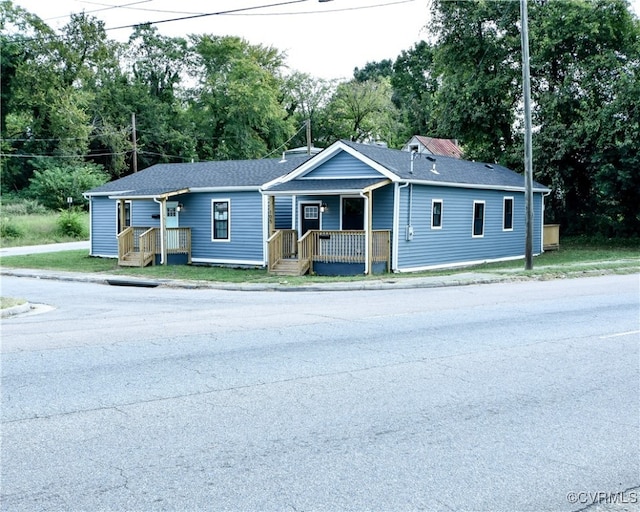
326,186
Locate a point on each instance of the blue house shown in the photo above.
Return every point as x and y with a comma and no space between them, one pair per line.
350,209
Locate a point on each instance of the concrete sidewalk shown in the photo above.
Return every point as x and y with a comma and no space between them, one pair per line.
39,249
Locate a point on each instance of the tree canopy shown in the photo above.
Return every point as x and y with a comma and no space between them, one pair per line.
69,98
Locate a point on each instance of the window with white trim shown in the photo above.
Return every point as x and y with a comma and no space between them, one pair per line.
220,220
436,214
478,219
507,214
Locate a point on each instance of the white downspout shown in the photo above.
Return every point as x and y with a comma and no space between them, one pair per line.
396,225
162,227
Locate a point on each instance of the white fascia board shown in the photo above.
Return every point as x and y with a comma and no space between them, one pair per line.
326,155
473,185
106,194
316,192
165,195
245,188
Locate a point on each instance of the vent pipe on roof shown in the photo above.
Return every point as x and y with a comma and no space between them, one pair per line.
284,159
414,155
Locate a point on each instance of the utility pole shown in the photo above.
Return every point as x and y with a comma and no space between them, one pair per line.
528,153
134,137
309,133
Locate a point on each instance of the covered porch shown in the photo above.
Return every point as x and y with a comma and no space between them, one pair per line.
166,243
329,252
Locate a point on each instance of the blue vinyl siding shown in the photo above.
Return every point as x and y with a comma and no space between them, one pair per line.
454,243
383,208
103,227
104,222
142,211
342,165
283,213
245,221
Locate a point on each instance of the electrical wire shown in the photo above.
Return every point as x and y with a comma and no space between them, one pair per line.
92,155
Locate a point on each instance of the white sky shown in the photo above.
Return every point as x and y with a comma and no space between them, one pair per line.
327,40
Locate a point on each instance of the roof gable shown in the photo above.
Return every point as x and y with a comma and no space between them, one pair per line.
340,151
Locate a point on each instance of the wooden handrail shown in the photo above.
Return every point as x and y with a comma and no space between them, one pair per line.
305,252
125,242
147,242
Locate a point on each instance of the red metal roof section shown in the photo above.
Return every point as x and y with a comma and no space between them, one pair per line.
443,147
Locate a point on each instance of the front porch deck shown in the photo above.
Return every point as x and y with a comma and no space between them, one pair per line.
326,249
140,246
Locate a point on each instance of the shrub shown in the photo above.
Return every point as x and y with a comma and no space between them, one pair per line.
23,207
52,186
8,229
70,223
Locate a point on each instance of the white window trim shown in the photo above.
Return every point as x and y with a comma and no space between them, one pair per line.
504,211
433,201
473,218
221,200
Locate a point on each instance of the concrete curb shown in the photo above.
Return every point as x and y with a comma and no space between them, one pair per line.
462,279
15,310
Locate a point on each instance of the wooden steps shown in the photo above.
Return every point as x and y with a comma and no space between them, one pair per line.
136,259
288,267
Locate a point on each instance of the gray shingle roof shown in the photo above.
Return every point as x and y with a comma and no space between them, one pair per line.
449,170
166,178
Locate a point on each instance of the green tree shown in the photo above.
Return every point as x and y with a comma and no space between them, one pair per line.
237,107
306,98
585,58
415,85
476,61
52,185
363,111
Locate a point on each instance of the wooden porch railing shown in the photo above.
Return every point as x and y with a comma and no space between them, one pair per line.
283,244
328,247
305,252
178,241
146,242
349,246
147,246
125,242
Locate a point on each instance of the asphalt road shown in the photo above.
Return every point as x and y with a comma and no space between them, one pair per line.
503,397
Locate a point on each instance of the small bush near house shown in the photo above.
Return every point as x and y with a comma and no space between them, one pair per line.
71,223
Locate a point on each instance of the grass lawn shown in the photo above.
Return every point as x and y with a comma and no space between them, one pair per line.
572,258
37,229
9,302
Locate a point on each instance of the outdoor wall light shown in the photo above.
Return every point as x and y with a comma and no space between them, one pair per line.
180,207
323,207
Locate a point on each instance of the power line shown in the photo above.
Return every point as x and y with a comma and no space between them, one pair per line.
92,155
107,8
218,13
